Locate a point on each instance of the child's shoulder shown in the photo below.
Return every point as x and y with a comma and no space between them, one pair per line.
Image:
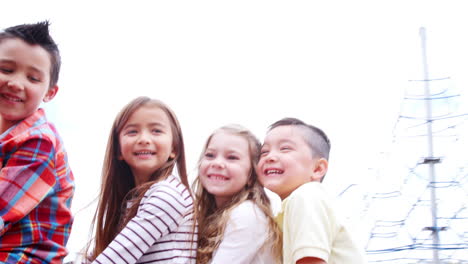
34,126
309,201
170,181
34,132
308,197
308,190
247,210
172,187
245,206
249,218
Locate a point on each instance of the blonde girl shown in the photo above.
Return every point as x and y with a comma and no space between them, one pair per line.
234,216
145,214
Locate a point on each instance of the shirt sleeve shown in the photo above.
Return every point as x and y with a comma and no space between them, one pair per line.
25,180
245,233
160,211
311,226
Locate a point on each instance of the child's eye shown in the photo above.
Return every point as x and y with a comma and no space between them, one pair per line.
34,79
285,148
156,130
131,132
233,157
263,152
6,70
209,155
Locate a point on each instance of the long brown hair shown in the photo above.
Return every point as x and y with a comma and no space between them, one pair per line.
118,184
212,220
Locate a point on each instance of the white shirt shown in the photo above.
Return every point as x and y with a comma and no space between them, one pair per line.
245,236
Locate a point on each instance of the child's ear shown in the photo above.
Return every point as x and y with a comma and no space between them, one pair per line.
172,155
50,94
320,169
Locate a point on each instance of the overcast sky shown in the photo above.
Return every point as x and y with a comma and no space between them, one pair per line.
341,65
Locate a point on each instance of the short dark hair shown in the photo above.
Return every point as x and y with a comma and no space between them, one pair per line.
313,136
37,34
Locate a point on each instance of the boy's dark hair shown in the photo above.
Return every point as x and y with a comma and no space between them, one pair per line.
313,136
37,34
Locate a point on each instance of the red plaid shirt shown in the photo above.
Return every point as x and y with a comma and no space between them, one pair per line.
36,189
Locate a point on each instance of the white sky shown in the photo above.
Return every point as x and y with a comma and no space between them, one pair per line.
341,65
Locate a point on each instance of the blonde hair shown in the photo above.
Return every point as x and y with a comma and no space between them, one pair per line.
212,220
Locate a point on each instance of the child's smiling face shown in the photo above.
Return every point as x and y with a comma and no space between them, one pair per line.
24,80
146,142
225,167
286,161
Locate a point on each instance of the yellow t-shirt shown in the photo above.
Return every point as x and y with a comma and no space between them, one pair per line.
311,228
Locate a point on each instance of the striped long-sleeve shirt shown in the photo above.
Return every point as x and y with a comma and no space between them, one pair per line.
36,189
163,230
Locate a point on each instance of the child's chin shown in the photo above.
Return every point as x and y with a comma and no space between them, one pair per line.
273,187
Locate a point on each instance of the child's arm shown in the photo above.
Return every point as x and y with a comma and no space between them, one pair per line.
160,211
26,178
310,260
244,235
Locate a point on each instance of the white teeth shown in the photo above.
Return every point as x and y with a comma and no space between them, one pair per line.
14,99
273,172
218,178
144,153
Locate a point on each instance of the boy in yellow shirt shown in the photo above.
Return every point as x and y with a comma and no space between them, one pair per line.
293,162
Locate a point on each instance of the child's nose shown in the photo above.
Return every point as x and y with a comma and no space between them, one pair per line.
271,157
217,163
144,138
14,84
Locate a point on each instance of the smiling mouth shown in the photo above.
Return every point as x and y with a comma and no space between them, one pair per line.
217,177
273,172
11,98
144,153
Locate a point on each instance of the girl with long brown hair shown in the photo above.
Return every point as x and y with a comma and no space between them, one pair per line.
234,215
145,213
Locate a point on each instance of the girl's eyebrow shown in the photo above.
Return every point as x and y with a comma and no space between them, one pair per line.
150,124
228,151
231,151
210,149
129,126
156,124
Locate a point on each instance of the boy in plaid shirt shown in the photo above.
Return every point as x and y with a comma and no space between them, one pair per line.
36,183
